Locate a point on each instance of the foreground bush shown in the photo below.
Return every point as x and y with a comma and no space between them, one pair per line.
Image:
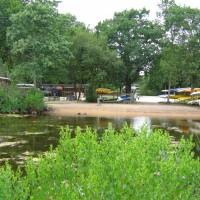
122,165
14,100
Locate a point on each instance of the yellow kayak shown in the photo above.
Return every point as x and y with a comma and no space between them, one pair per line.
104,91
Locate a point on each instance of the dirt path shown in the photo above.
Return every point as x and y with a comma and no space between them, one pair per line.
123,110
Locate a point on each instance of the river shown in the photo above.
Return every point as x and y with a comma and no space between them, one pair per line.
22,137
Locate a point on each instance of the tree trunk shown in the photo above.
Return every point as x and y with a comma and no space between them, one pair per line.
75,90
79,91
128,87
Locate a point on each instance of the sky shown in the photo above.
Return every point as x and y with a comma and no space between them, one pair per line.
92,11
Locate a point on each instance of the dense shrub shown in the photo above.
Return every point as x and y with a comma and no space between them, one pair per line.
123,165
14,100
33,100
91,95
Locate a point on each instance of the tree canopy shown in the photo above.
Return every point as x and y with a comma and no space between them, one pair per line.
136,40
180,52
40,45
36,44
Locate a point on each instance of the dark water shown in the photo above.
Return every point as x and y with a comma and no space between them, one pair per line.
22,137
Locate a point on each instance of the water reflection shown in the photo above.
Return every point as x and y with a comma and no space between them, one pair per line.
30,136
141,122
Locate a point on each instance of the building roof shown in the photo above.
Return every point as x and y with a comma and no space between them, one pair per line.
4,78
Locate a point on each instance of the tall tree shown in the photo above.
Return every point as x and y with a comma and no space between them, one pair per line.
7,9
135,39
37,45
92,62
183,30
67,26
179,63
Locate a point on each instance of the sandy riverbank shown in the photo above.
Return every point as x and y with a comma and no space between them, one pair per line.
123,110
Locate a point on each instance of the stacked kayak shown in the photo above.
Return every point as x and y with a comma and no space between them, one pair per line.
183,95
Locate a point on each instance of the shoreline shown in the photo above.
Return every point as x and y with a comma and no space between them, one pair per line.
14,115
122,110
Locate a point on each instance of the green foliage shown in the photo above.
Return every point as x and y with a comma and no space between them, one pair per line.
183,25
136,40
92,60
33,100
56,48
147,89
117,165
180,59
37,46
91,95
7,8
169,65
152,83
13,100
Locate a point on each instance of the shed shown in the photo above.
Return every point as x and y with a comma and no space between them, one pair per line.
4,81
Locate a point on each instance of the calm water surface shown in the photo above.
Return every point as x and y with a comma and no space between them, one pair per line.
22,137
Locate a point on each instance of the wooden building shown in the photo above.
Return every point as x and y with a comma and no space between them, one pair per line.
63,90
4,81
